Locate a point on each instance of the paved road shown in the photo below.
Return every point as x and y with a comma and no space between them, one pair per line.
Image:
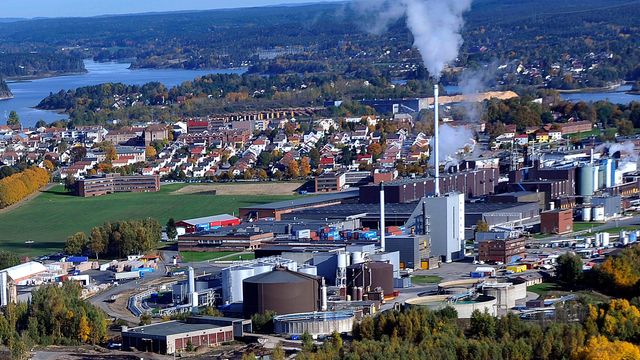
100,300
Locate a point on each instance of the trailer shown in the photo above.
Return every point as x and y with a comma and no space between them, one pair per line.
128,275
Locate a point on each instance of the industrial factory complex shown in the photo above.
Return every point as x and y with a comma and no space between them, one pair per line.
319,263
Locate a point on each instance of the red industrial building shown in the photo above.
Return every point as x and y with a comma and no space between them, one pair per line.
504,251
558,221
191,226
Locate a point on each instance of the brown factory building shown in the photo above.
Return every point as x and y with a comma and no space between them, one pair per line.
504,251
472,184
558,221
277,209
223,242
113,183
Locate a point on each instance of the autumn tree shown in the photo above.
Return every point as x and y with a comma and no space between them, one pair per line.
75,244
48,165
375,149
600,348
293,169
482,226
151,152
305,167
97,241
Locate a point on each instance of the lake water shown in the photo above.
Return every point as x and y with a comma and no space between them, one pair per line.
618,96
28,94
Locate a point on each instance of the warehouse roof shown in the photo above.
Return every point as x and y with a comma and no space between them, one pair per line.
473,208
170,328
25,270
209,219
309,200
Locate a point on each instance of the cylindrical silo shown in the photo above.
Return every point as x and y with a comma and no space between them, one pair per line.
232,282
585,180
357,257
261,268
586,213
342,260
598,213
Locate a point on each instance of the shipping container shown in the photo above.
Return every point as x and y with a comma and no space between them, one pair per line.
517,268
77,259
146,270
127,275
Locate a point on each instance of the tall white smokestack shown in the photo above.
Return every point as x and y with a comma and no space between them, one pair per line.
436,145
382,225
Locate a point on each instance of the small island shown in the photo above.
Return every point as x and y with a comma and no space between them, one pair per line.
5,92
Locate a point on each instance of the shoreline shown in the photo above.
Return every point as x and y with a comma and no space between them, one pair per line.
17,79
3,98
610,88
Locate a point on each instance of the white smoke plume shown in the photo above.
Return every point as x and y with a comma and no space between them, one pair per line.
628,155
436,26
453,141
472,83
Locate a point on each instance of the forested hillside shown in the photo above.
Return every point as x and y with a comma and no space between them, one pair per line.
5,92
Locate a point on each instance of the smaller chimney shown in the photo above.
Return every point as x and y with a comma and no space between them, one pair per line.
382,224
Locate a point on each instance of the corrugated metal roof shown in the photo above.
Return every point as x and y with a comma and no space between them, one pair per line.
309,200
25,270
209,219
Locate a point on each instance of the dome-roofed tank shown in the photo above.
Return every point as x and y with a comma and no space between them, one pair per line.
282,291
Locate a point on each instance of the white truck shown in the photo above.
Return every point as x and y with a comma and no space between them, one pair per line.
128,275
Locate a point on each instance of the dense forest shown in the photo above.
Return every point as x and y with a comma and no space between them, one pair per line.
56,315
5,92
18,65
564,45
423,334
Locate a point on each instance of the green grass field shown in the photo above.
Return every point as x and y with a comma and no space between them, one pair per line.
425,279
54,215
194,256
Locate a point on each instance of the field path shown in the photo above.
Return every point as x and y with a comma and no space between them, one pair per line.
251,188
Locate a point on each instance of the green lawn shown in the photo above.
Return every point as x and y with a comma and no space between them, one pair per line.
425,279
544,288
581,226
195,256
551,290
54,215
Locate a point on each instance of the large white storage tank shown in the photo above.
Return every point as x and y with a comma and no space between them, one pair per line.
586,213
598,213
232,282
357,257
309,270
343,260
261,268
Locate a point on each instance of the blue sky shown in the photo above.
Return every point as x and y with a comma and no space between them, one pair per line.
60,8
